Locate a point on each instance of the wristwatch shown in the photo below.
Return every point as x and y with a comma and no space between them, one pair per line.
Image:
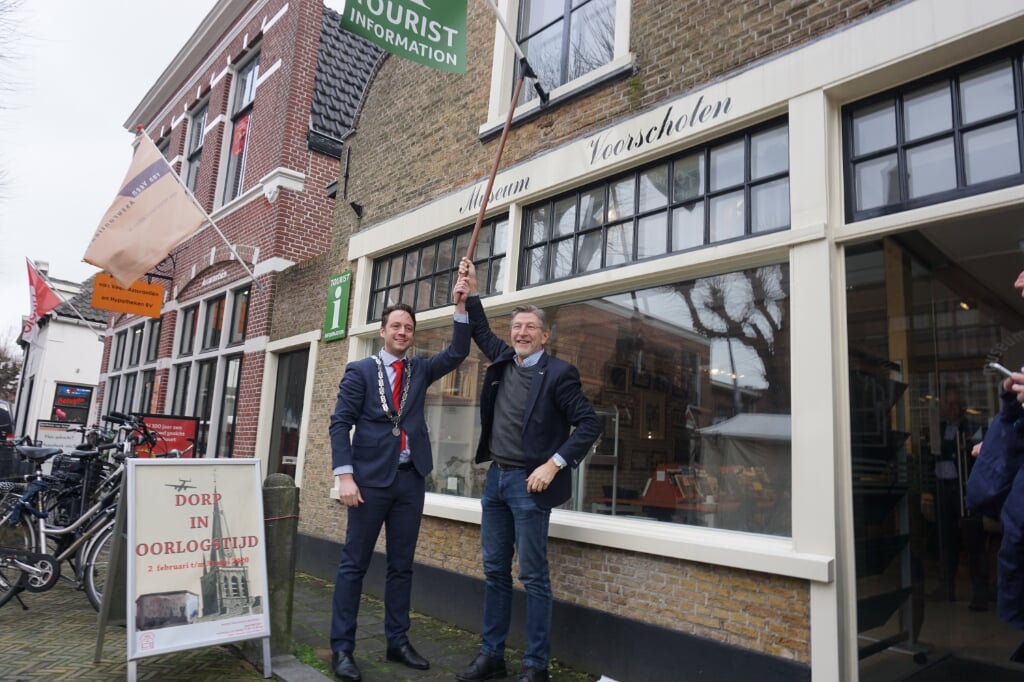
560,466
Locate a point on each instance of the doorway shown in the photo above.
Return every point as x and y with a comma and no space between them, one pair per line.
926,310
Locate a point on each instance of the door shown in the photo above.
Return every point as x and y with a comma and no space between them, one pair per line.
926,310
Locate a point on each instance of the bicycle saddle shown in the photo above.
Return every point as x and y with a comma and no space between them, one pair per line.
37,454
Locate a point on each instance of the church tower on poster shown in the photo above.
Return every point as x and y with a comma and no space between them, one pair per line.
225,579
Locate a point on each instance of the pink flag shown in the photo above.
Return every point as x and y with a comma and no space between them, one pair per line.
151,215
41,296
41,300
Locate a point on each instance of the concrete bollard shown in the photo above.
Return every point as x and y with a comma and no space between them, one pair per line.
281,514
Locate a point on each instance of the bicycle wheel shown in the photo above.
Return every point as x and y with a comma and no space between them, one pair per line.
96,563
16,536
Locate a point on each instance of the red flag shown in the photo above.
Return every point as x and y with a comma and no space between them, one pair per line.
41,301
41,296
151,214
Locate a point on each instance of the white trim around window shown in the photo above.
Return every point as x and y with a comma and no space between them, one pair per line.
504,63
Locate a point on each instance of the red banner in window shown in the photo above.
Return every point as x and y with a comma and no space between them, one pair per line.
238,138
173,433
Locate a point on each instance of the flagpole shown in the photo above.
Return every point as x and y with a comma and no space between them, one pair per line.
142,131
525,70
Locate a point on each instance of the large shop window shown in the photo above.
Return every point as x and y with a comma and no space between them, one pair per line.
241,122
564,41
948,136
732,189
691,380
423,276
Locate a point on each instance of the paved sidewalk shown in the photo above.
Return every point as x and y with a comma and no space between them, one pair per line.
55,639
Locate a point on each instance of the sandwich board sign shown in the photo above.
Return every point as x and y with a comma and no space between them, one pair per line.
196,556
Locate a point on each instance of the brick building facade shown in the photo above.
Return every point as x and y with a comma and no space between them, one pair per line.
251,115
711,157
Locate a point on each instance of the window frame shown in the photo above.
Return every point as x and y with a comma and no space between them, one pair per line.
505,65
239,315
213,322
120,341
188,317
196,141
901,146
135,347
244,85
153,329
585,230
489,257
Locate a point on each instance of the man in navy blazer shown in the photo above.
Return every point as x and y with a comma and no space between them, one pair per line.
536,425
380,474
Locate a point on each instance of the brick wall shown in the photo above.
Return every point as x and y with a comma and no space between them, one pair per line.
417,139
295,227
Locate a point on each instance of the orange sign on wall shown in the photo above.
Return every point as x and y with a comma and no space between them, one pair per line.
143,298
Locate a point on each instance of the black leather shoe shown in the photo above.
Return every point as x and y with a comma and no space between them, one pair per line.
408,656
344,667
482,668
534,675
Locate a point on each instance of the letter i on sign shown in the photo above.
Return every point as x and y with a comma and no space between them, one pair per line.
336,319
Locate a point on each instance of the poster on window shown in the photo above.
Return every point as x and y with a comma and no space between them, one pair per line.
63,435
175,436
71,403
197,572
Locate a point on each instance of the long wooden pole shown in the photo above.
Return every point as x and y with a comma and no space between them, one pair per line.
494,168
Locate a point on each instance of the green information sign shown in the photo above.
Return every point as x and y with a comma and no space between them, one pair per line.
336,315
428,32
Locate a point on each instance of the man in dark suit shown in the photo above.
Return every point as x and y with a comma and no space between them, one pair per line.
380,474
529,404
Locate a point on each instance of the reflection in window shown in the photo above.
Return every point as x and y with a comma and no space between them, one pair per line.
146,391
229,406
697,374
135,352
178,404
565,41
241,118
288,406
214,323
113,389
153,340
663,208
127,393
188,330
942,138
119,343
239,315
206,371
423,275
196,136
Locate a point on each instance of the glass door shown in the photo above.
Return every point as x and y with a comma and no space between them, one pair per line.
923,319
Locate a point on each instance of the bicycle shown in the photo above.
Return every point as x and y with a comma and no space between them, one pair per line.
32,550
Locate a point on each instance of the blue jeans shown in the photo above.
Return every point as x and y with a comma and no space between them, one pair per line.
512,520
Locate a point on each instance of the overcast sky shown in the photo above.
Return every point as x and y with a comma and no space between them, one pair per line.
70,75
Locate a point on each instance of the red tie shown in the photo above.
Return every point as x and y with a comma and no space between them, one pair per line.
396,392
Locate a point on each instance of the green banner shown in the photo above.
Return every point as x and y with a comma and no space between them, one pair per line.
429,32
336,315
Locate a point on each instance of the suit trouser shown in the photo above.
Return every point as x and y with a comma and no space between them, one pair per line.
398,508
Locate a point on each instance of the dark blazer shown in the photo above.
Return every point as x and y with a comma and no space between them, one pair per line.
996,488
373,450
555,404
